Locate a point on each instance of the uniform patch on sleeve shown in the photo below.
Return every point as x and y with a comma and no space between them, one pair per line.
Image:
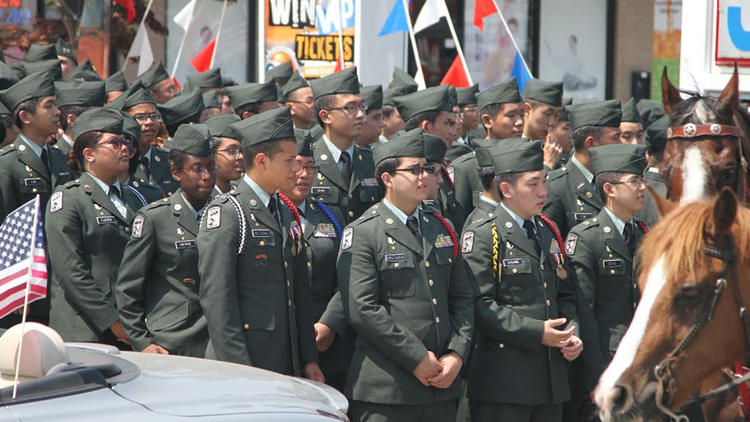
56,202
570,244
346,238
137,227
467,242
213,216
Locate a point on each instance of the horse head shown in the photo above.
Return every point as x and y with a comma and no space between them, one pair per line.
687,325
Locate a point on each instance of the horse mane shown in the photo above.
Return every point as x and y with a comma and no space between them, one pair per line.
680,237
699,109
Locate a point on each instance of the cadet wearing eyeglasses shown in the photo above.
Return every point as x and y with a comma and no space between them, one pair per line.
230,161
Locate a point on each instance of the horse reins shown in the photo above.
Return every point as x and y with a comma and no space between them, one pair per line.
663,371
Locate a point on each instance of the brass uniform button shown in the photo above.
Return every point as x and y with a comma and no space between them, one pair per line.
247,326
434,301
548,303
430,282
427,264
437,320
501,345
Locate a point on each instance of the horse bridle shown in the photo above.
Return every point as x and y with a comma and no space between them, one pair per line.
663,371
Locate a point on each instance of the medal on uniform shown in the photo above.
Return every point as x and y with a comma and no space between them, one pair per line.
559,257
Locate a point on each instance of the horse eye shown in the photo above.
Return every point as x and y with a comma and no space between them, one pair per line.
689,297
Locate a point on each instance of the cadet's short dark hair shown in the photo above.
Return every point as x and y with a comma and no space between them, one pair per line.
75,110
269,148
389,165
491,109
177,157
27,105
323,102
511,178
606,177
75,155
417,120
487,177
580,134
253,108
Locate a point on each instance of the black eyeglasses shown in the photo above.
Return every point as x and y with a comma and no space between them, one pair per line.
143,117
635,182
232,152
351,108
418,169
118,143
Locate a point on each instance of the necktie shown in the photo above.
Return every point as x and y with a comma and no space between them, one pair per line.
113,190
413,226
629,237
531,234
143,168
45,158
273,208
346,169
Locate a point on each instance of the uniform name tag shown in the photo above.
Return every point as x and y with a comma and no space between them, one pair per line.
370,181
261,233
395,257
512,262
106,219
443,241
321,190
612,263
32,181
184,244
324,230
580,216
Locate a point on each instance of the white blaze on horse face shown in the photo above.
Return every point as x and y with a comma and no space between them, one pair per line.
628,347
693,176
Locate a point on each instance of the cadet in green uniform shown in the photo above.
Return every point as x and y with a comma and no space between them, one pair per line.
156,79
144,192
85,72
184,108
230,161
571,197
212,101
432,110
73,98
115,86
656,141
541,107
501,112
404,289
322,227
401,84
255,287
67,57
345,176
253,98
467,105
207,81
280,74
153,164
157,287
87,227
515,261
631,128
372,96
298,96
601,253
560,135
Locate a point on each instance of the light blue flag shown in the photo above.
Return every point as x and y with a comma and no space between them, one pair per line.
520,71
396,21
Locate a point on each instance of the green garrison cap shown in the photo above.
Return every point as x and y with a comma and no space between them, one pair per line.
211,99
211,78
7,76
136,94
403,144
182,108
99,119
219,124
39,53
630,112
227,81
650,111
656,134
486,148
35,85
252,93
564,110
622,158
434,148
342,82
131,128
467,96
84,72
304,142
193,139
3,111
295,82
51,67
153,75
401,84
517,155
372,96
116,82
599,113
64,49
544,92
270,125
436,98
502,93
79,93
453,96
283,70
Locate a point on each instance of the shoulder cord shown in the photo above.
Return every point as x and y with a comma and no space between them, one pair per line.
450,231
446,175
555,232
643,226
242,221
292,208
135,192
495,251
330,216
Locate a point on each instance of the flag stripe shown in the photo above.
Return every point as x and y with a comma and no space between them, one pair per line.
6,310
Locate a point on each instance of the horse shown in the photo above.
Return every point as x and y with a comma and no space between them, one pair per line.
707,143
691,320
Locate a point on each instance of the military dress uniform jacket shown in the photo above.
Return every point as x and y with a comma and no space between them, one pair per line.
605,272
86,235
23,175
255,288
143,192
353,196
466,182
510,364
650,214
571,198
159,171
157,287
402,298
458,149
446,201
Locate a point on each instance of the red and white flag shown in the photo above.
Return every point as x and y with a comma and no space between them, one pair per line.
22,257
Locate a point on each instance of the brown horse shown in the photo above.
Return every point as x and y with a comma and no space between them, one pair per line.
705,143
689,322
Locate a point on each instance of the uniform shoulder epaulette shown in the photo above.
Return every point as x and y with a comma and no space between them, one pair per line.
7,149
558,173
72,183
371,213
589,223
156,204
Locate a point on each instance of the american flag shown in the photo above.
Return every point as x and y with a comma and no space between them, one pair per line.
19,264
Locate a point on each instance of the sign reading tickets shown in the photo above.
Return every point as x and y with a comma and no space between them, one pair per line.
732,37
306,32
